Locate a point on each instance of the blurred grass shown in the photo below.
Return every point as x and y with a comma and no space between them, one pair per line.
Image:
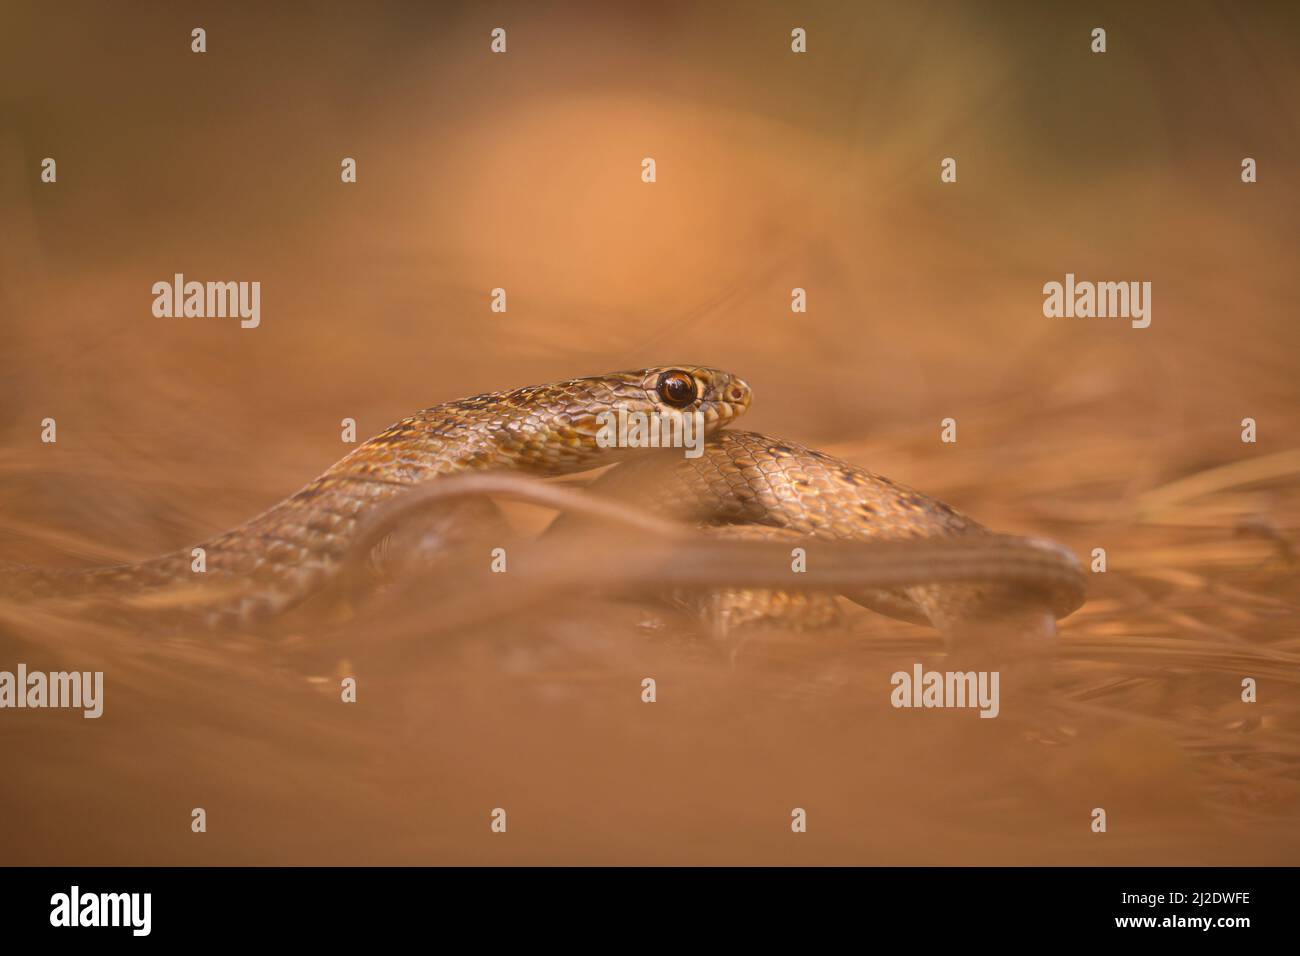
774,172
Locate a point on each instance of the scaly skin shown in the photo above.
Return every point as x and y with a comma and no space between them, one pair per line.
287,552
745,486
745,479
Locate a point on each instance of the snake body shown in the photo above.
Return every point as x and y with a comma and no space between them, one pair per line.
288,551
742,485
757,487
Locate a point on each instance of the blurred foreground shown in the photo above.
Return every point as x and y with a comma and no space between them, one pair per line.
774,172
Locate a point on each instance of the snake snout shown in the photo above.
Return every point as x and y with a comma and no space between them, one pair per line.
738,392
728,398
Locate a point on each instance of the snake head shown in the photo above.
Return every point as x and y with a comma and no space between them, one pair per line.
587,422
682,389
625,413
671,406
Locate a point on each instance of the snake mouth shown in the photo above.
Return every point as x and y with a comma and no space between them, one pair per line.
720,414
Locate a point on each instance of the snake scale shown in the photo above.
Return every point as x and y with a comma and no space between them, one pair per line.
743,486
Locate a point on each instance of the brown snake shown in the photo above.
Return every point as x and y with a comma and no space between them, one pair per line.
743,486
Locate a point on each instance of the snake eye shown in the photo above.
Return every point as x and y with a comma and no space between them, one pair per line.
678,389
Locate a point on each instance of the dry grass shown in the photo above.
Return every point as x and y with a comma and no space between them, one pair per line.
924,303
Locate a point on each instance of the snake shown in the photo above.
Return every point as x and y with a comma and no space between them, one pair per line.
739,486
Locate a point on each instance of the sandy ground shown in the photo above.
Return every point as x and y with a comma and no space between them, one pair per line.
774,171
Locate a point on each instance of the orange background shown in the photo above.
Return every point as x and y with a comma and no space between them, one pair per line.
774,171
